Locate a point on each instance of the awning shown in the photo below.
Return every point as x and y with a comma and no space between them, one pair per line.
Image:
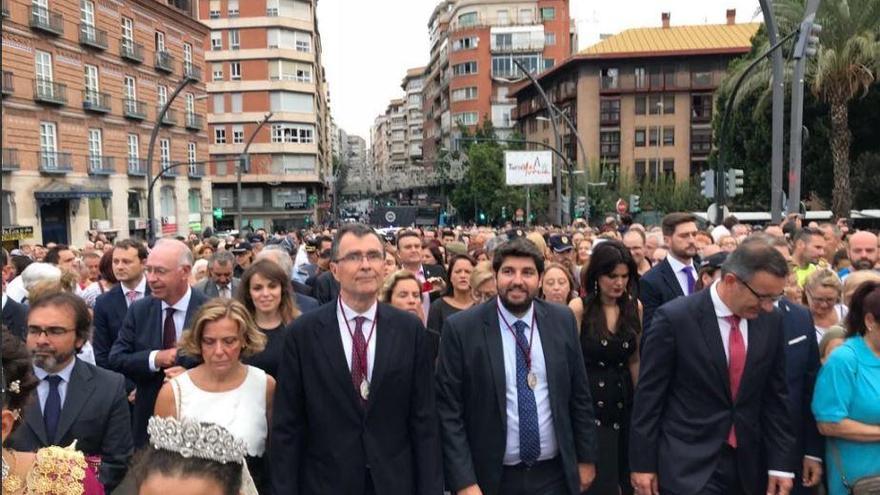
62,190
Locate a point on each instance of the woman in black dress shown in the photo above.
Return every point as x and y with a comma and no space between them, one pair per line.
266,292
458,293
609,319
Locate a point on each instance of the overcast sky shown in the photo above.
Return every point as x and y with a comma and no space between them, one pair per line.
369,44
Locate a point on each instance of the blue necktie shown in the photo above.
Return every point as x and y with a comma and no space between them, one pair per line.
52,410
529,435
689,271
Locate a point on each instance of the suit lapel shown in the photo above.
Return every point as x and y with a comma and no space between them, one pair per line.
33,417
670,278
385,344
195,302
155,314
79,390
712,336
757,341
331,343
496,357
548,332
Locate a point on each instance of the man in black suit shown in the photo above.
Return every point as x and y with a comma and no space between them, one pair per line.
432,277
14,314
111,307
146,349
676,275
513,397
75,400
219,282
712,393
354,407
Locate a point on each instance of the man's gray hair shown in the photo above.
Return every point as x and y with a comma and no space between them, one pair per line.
39,272
278,254
186,255
221,258
753,255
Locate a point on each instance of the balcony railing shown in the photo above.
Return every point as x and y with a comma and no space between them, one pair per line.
94,101
609,149
45,20
8,83
170,117
171,172
46,91
137,167
91,36
10,159
193,121
134,109
196,170
101,165
191,71
54,162
131,51
164,61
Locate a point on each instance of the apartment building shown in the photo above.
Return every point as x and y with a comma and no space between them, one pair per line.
359,179
83,82
265,56
474,44
642,100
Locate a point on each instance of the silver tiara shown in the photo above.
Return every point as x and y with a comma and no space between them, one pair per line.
190,438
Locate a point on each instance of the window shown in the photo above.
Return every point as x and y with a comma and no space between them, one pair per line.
217,71
461,94
653,136
287,70
235,102
609,143
639,170
293,133
132,150
284,196
91,82
166,201
610,78
466,118
272,8
191,154
548,63
548,13
303,42
194,199
134,203
503,66
160,41
701,78
464,69
252,197
234,39
655,104
237,134
235,71
502,41
641,78
468,19
285,164
641,105
669,169
503,18
640,137
289,38
214,9
609,111
43,67
525,16
95,147
127,32
219,135
232,8
669,136
87,15
701,108
219,104
550,39
164,152
465,43
216,40
187,56
161,94
701,141
501,116
48,146
290,101
668,104
669,77
533,125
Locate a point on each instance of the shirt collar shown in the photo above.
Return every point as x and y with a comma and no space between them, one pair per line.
369,314
676,265
182,304
140,288
527,318
721,309
64,373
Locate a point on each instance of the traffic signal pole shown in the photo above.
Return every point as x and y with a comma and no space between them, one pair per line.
778,65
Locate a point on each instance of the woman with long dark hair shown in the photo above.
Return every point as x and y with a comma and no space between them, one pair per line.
458,293
609,319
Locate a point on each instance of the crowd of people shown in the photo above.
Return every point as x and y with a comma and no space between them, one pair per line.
620,359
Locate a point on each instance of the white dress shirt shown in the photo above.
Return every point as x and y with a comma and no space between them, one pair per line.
549,449
140,289
677,267
722,312
347,344
43,387
179,318
3,297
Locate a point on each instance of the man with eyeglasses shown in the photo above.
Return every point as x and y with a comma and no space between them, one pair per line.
356,377
75,400
705,418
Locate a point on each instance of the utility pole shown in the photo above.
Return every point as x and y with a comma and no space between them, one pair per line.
778,65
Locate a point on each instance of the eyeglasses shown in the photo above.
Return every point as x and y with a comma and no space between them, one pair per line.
822,300
325,254
358,257
51,332
773,298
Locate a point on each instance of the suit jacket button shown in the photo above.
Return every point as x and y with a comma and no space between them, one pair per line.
616,426
601,384
604,342
598,423
626,345
620,405
602,364
601,404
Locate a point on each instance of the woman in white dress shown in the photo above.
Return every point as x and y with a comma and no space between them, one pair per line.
222,390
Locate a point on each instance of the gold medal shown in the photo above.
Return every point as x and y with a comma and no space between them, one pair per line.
532,380
365,390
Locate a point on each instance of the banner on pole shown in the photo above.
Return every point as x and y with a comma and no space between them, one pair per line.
523,168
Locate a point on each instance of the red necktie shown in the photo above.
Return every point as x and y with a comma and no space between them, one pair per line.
736,365
359,357
169,332
131,296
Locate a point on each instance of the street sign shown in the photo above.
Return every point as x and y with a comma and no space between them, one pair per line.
712,212
522,168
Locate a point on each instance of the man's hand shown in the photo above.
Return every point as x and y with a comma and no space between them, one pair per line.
812,472
586,474
166,358
779,486
132,396
437,284
470,490
173,371
645,483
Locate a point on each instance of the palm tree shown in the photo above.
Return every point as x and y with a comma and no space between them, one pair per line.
845,67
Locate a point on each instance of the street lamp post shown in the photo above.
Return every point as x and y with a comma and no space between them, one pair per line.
573,129
241,163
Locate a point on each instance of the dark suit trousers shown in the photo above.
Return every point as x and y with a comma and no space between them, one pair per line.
543,478
725,479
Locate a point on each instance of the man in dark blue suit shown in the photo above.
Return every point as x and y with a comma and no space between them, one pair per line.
146,349
676,275
111,307
712,393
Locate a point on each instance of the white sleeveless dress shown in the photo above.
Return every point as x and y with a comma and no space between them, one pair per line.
242,410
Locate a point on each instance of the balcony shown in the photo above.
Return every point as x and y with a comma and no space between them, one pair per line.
164,62
46,91
43,19
196,170
94,101
101,165
10,160
137,167
609,118
170,117
190,71
609,150
131,51
134,109
54,162
193,121
171,172
8,83
92,37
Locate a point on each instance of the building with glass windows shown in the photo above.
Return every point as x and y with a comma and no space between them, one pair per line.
83,81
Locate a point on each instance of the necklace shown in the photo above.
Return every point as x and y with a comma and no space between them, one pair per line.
365,383
531,378
11,482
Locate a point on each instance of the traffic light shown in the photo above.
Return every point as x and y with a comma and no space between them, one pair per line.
634,206
808,38
218,213
482,217
707,184
734,182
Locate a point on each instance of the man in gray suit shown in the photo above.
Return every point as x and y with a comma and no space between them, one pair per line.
220,282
